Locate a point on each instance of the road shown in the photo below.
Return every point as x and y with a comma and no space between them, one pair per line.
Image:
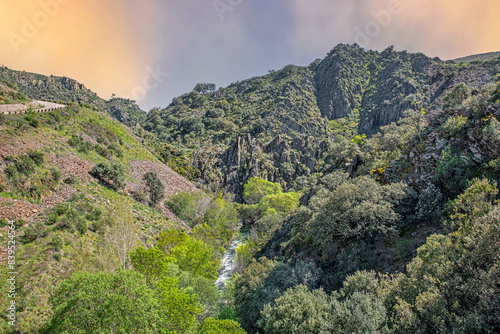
40,106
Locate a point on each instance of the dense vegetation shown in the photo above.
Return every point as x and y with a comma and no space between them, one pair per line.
288,124
369,206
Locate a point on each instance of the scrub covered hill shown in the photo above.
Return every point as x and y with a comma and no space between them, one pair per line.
63,89
281,126
77,187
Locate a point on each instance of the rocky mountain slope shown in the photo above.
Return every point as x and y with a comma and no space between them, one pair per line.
281,126
63,89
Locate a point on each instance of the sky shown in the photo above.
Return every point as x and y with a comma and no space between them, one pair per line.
154,50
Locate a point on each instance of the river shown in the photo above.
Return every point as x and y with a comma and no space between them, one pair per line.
228,260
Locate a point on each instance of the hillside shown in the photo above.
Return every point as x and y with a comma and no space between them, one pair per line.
48,188
63,89
358,194
281,126
478,58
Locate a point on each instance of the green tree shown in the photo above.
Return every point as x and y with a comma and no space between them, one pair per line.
358,208
298,311
104,303
256,188
155,186
112,174
282,203
215,326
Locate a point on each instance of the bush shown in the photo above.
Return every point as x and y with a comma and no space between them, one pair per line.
34,231
102,151
453,172
492,131
55,174
112,174
297,311
217,326
70,180
190,207
455,125
357,208
256,188
155,187
457,96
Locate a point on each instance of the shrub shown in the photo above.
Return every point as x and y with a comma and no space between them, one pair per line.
155,187
55,174
297,311
217,326
358,208
70,180
256,188
453,172
190,207
455,125
457,96
34,231
492,131
112,174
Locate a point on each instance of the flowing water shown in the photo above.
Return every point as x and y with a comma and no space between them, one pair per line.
228,260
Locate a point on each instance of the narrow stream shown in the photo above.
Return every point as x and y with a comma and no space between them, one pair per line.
228,260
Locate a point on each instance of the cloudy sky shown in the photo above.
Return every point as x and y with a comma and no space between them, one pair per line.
154,50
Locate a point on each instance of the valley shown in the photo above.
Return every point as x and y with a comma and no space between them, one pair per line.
358,194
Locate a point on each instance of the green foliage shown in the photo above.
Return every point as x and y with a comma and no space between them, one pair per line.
217,326
357,208
457,96
120,303
455,125
453,172
359,313
298,310
38,157
256,189
197,208
264,281
112,174
155,187
189,207
34,231
475,202
492,131
188,253
282,203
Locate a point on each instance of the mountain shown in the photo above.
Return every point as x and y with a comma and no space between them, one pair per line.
63,89
280,126
478,58
366,185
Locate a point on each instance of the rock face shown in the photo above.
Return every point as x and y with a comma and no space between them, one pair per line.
279,126
383,85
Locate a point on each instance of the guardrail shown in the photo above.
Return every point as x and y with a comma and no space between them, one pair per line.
39,110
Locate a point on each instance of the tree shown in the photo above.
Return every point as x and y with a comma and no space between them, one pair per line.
256,188
357,208
104,303
204,88
215,326
121,237
112,174
282,203
298,311
156,188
